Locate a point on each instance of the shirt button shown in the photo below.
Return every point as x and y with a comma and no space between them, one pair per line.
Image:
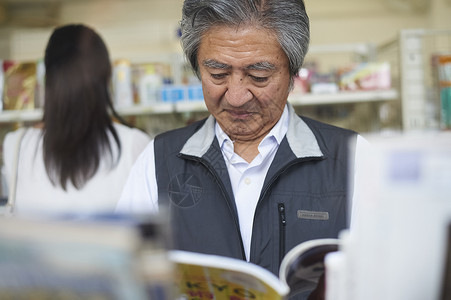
247,181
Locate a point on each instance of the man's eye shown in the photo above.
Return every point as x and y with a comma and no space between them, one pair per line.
218,76
258,79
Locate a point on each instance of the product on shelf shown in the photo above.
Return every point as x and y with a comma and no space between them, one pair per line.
2,82
195,92
302,81
366,76
176,93
172,93
361,77
323,83
445,89
122,83
19,85
40,84
147,80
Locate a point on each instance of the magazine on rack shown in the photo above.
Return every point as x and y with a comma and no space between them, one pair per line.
205,276
43,258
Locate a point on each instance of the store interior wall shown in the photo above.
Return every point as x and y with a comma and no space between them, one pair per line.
146,31
136,28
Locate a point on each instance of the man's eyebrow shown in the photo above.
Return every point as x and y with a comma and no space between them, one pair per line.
261,66
214,64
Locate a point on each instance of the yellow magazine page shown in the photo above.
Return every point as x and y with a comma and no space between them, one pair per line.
202,276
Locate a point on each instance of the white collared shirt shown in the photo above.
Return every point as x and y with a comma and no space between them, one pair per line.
247,178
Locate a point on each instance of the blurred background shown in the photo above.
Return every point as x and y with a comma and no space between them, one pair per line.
379,67
373,65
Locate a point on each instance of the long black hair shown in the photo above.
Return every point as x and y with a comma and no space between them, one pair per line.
78,106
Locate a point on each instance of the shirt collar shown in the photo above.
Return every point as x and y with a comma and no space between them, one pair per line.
300,137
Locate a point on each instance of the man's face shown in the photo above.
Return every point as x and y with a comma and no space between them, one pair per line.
245,79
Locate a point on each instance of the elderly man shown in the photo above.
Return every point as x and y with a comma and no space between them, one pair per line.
254,179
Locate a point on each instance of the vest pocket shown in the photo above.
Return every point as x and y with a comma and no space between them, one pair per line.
282,230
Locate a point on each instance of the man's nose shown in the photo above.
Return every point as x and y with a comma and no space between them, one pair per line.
238,92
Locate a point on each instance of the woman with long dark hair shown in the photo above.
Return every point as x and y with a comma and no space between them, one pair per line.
79,159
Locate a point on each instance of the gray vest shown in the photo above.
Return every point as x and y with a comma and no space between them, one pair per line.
304,195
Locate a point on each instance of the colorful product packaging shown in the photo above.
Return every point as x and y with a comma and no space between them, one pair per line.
366,76
444,69
2,82
122,83
19,85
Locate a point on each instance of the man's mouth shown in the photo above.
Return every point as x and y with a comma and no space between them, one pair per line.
239,114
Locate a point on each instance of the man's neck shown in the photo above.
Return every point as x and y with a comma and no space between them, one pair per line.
246,150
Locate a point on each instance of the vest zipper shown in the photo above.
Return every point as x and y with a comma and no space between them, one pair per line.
280,206
282,229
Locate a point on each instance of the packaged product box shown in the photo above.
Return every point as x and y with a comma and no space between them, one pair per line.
366,76
2,82
444,69
19,85
445,99
149,86
40,84
173,93
323,83
147,81
302,81
122,83
195,92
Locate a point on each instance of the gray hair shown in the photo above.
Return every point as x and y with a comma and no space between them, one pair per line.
286,18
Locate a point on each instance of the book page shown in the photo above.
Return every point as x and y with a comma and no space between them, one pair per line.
202,276
303,266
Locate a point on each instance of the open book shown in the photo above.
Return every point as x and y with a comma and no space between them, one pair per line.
203,276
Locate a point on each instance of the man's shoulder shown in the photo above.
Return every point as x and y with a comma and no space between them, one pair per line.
321,127
330,136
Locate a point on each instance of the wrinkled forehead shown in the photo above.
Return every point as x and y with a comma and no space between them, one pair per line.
240,29
245,37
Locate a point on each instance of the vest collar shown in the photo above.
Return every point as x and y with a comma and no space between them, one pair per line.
200,142
300,137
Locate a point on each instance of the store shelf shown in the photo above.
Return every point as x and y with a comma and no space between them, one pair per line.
311,99
9,116
153,109
343,97
187,106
